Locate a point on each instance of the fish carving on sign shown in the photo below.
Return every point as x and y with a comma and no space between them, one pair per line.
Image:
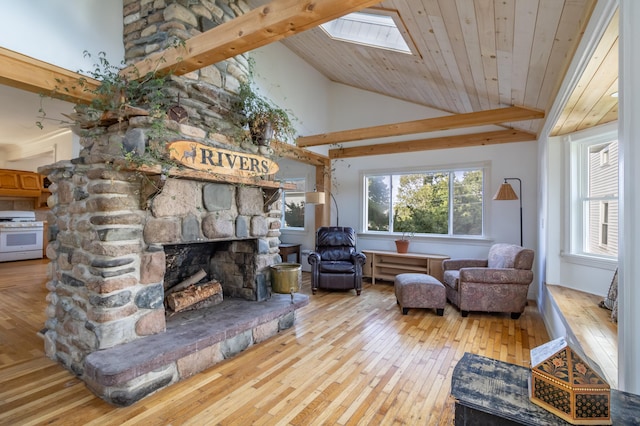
218,160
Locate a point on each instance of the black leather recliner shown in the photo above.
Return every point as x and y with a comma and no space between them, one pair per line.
335,264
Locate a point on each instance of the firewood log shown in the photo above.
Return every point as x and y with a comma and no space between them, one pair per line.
186,283
192,296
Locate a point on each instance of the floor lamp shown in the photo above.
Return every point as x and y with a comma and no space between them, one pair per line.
506,192
319,198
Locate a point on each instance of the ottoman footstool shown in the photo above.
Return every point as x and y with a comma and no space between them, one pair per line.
420,291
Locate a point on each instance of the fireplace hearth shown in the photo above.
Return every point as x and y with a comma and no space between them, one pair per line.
193,342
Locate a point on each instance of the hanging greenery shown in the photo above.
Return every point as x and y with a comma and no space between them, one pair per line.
117,97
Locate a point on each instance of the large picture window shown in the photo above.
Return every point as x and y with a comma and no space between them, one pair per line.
443,202
594,188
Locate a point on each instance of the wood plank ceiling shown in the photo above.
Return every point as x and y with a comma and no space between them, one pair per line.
471,58
591,102
477,55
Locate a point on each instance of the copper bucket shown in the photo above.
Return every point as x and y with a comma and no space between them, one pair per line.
285,278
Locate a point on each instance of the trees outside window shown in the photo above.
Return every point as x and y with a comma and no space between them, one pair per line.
378,207
293,205
446,202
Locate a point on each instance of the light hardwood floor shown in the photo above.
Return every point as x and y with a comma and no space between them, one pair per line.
346,360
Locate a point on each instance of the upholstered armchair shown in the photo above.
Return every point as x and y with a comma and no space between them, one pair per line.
335,263
497,284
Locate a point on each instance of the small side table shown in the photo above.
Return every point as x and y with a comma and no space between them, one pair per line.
287,249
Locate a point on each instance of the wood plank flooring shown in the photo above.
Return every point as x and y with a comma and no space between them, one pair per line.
348,360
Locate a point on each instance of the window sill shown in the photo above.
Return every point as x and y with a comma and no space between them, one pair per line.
593,261
446,239
300,231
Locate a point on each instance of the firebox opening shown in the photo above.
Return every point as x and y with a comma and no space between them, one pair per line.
185,260
231,262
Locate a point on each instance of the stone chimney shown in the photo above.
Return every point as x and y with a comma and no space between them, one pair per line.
109,222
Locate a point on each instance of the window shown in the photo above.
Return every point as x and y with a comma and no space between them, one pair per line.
380,28
594,190
446,202
293,205
604,223
604,157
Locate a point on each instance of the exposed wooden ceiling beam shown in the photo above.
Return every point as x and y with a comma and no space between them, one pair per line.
256,28
26,73
458,141
292,152
472,119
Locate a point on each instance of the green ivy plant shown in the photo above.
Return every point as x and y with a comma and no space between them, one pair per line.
117,90
254,114
115,95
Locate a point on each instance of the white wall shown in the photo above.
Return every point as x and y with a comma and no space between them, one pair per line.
353,108
629,293
324,106
293,85
57,32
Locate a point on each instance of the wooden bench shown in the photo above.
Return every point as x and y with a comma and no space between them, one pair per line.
591,326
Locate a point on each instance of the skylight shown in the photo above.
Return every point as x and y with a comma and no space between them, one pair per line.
370,29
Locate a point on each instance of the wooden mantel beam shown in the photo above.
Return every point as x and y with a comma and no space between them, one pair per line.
472,119
256,28
458,141
26,73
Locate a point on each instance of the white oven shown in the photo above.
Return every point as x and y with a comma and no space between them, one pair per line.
21,236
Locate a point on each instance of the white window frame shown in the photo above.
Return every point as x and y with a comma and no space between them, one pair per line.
485,167
372,27
578,147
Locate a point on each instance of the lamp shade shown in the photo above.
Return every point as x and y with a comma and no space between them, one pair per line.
314,197
505,192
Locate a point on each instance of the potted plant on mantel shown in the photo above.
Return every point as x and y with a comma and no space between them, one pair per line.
259,119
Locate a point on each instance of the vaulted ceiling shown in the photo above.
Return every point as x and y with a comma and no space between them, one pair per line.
478,55
470,57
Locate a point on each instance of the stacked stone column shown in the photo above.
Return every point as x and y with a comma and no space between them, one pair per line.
151,26
98,296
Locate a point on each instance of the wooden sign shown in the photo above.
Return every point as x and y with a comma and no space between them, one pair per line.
218,160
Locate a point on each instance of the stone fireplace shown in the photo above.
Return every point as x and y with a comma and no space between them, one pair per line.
114,250
121,233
